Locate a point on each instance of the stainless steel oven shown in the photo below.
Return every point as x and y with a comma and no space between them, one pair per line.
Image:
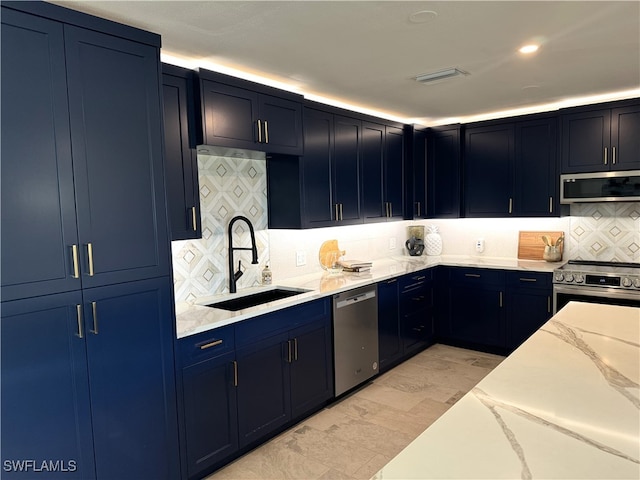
614,283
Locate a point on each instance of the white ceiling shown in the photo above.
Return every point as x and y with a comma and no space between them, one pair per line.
367,53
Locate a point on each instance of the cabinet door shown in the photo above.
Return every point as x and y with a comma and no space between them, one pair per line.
130,331
116,134
477,315
625,125
416,311
317,164
419,149
311,367
585,137
181,163
535,169
444,174
528,310
264,393
389,346
282,129
230,115
346,161
210,412
373,148
394,172
45,392
38,205
489,153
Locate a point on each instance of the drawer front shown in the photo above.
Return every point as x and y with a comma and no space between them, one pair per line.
525,279
477,276
205,345
258,328
415,280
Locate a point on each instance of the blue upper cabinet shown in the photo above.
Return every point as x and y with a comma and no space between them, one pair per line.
116,136
489,154
236,113
511,168
181,161
82,197
443,172
38,206
600,140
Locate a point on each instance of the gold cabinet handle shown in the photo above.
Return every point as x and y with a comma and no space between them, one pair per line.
193,219
90,257
289,351
94,312
210,344
548,304
605,156
418,208
74,256
259,131
80,333
528,279
266,132
550,204
341,216
390,209
472,275
295,349
500,299
336,208
510,205
613,155
235,373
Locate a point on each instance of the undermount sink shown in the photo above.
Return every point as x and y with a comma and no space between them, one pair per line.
255,299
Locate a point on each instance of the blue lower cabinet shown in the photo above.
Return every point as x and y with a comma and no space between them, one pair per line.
242,383
129,330
46,415
88,383
389,344
264,396
311,367
210,412
529,296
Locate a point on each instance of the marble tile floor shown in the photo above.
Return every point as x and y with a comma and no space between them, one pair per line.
356,436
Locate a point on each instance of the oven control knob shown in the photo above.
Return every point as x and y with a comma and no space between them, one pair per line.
579,278
559,277
626,282
569,277
636,283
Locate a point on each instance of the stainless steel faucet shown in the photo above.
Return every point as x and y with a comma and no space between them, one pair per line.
234,276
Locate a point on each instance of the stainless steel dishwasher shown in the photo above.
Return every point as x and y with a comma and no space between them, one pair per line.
355,337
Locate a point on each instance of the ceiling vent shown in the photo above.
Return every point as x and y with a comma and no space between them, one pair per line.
440,75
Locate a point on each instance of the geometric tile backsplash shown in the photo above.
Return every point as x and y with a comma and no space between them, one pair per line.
229,186
605,231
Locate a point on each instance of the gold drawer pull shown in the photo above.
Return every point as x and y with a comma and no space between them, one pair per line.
472,275
210,344
74,255
80,334
90,256
528,280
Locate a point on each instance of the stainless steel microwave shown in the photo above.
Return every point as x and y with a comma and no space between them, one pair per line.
600,187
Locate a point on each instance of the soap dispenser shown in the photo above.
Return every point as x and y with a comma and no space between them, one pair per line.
266,275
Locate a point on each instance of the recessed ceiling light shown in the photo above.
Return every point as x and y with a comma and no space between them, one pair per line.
532,48
422,16
440,75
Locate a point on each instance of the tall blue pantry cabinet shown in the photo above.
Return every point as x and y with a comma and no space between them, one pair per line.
87,327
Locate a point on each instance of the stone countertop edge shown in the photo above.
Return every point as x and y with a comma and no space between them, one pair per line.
565,404
196,317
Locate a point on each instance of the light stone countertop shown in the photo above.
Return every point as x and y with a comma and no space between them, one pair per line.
196,318
564,405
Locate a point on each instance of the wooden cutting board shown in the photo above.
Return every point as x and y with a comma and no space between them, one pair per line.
531,246
326,250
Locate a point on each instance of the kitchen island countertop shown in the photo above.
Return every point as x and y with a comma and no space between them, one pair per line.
566,404
193,318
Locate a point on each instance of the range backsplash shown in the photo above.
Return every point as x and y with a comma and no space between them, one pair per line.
231,186
605,231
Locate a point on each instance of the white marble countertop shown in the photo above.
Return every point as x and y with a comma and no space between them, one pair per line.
566,404
196,318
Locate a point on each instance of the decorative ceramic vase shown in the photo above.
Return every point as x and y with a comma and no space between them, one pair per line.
433,241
